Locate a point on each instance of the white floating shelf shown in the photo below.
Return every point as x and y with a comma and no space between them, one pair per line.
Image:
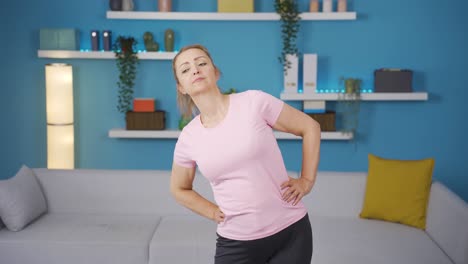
224,16
76,54
123,133
415,96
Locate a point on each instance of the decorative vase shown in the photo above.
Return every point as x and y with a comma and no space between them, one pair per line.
352,85
327,6
342,5
169,40
127,5
115,5
164,5
314,6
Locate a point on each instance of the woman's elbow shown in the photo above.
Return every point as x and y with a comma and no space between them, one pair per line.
313,127
175,192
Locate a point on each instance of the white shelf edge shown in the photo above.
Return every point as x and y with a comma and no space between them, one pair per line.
224,16
168,134
76,54
413,96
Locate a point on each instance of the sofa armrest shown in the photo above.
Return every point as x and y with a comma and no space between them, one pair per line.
447,222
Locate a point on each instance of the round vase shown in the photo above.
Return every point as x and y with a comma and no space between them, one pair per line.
169,40
115,5
164,5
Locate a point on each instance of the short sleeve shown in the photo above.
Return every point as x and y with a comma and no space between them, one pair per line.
182,152
267,106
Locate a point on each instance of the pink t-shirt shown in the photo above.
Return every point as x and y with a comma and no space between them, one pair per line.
241,159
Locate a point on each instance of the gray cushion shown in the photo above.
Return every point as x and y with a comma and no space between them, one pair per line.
1,224
21,199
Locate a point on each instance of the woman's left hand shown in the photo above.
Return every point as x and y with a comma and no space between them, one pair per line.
296,189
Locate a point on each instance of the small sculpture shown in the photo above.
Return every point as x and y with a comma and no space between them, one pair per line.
150,44
169,40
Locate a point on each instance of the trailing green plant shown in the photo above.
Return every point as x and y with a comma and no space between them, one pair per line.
127,60
350,104
290,17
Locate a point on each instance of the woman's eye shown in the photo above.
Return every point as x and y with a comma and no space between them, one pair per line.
185,70
202,64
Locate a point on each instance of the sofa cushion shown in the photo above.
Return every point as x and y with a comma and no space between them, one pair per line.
357,241
182,239
337,194
21,199
398,190
113,191
447,222
80,238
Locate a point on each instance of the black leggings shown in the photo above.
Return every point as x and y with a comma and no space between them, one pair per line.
291,245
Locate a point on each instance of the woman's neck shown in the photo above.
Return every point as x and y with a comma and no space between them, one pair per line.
213,107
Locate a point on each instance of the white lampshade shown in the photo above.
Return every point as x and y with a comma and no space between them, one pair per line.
59,93
59,105
60,147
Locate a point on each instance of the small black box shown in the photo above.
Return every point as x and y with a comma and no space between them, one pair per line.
393,81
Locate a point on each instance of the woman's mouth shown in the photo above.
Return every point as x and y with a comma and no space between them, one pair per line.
198,79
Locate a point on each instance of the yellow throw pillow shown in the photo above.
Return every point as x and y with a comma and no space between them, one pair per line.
398,190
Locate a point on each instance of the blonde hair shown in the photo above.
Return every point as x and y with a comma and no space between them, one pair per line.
185,103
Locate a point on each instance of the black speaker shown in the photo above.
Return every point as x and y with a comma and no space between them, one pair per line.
107,40
393,81
94,40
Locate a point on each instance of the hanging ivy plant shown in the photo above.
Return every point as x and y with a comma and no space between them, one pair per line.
127,60
290,17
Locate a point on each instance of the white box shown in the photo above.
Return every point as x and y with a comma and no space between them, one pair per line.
309,73
314,107
291,76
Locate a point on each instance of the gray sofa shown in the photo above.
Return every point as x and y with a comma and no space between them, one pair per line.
129,217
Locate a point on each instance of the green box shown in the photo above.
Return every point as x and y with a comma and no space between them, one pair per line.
59,39
235,6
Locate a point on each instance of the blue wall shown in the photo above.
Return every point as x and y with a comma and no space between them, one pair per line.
428,36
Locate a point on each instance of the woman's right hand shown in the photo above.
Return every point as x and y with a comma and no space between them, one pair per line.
218,215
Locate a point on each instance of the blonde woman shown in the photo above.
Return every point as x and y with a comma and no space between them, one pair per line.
259,212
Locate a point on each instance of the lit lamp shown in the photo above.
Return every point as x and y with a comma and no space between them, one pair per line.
60,128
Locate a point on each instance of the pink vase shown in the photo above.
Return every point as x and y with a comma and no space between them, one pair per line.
164,5
342,5
314,6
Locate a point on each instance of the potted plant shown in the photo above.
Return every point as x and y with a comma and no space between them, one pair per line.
127,60
349,104
290,17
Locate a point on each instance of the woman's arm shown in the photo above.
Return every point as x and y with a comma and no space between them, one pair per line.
298,123
181,189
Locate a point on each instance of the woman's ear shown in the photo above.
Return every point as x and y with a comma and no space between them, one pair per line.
218,74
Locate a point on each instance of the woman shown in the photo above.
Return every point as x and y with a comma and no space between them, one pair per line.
259,212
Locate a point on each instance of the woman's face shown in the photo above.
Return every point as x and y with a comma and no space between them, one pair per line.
195,72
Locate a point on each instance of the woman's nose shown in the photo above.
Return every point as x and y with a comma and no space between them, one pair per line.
196,71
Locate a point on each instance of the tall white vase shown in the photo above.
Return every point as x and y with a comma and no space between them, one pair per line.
327,6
